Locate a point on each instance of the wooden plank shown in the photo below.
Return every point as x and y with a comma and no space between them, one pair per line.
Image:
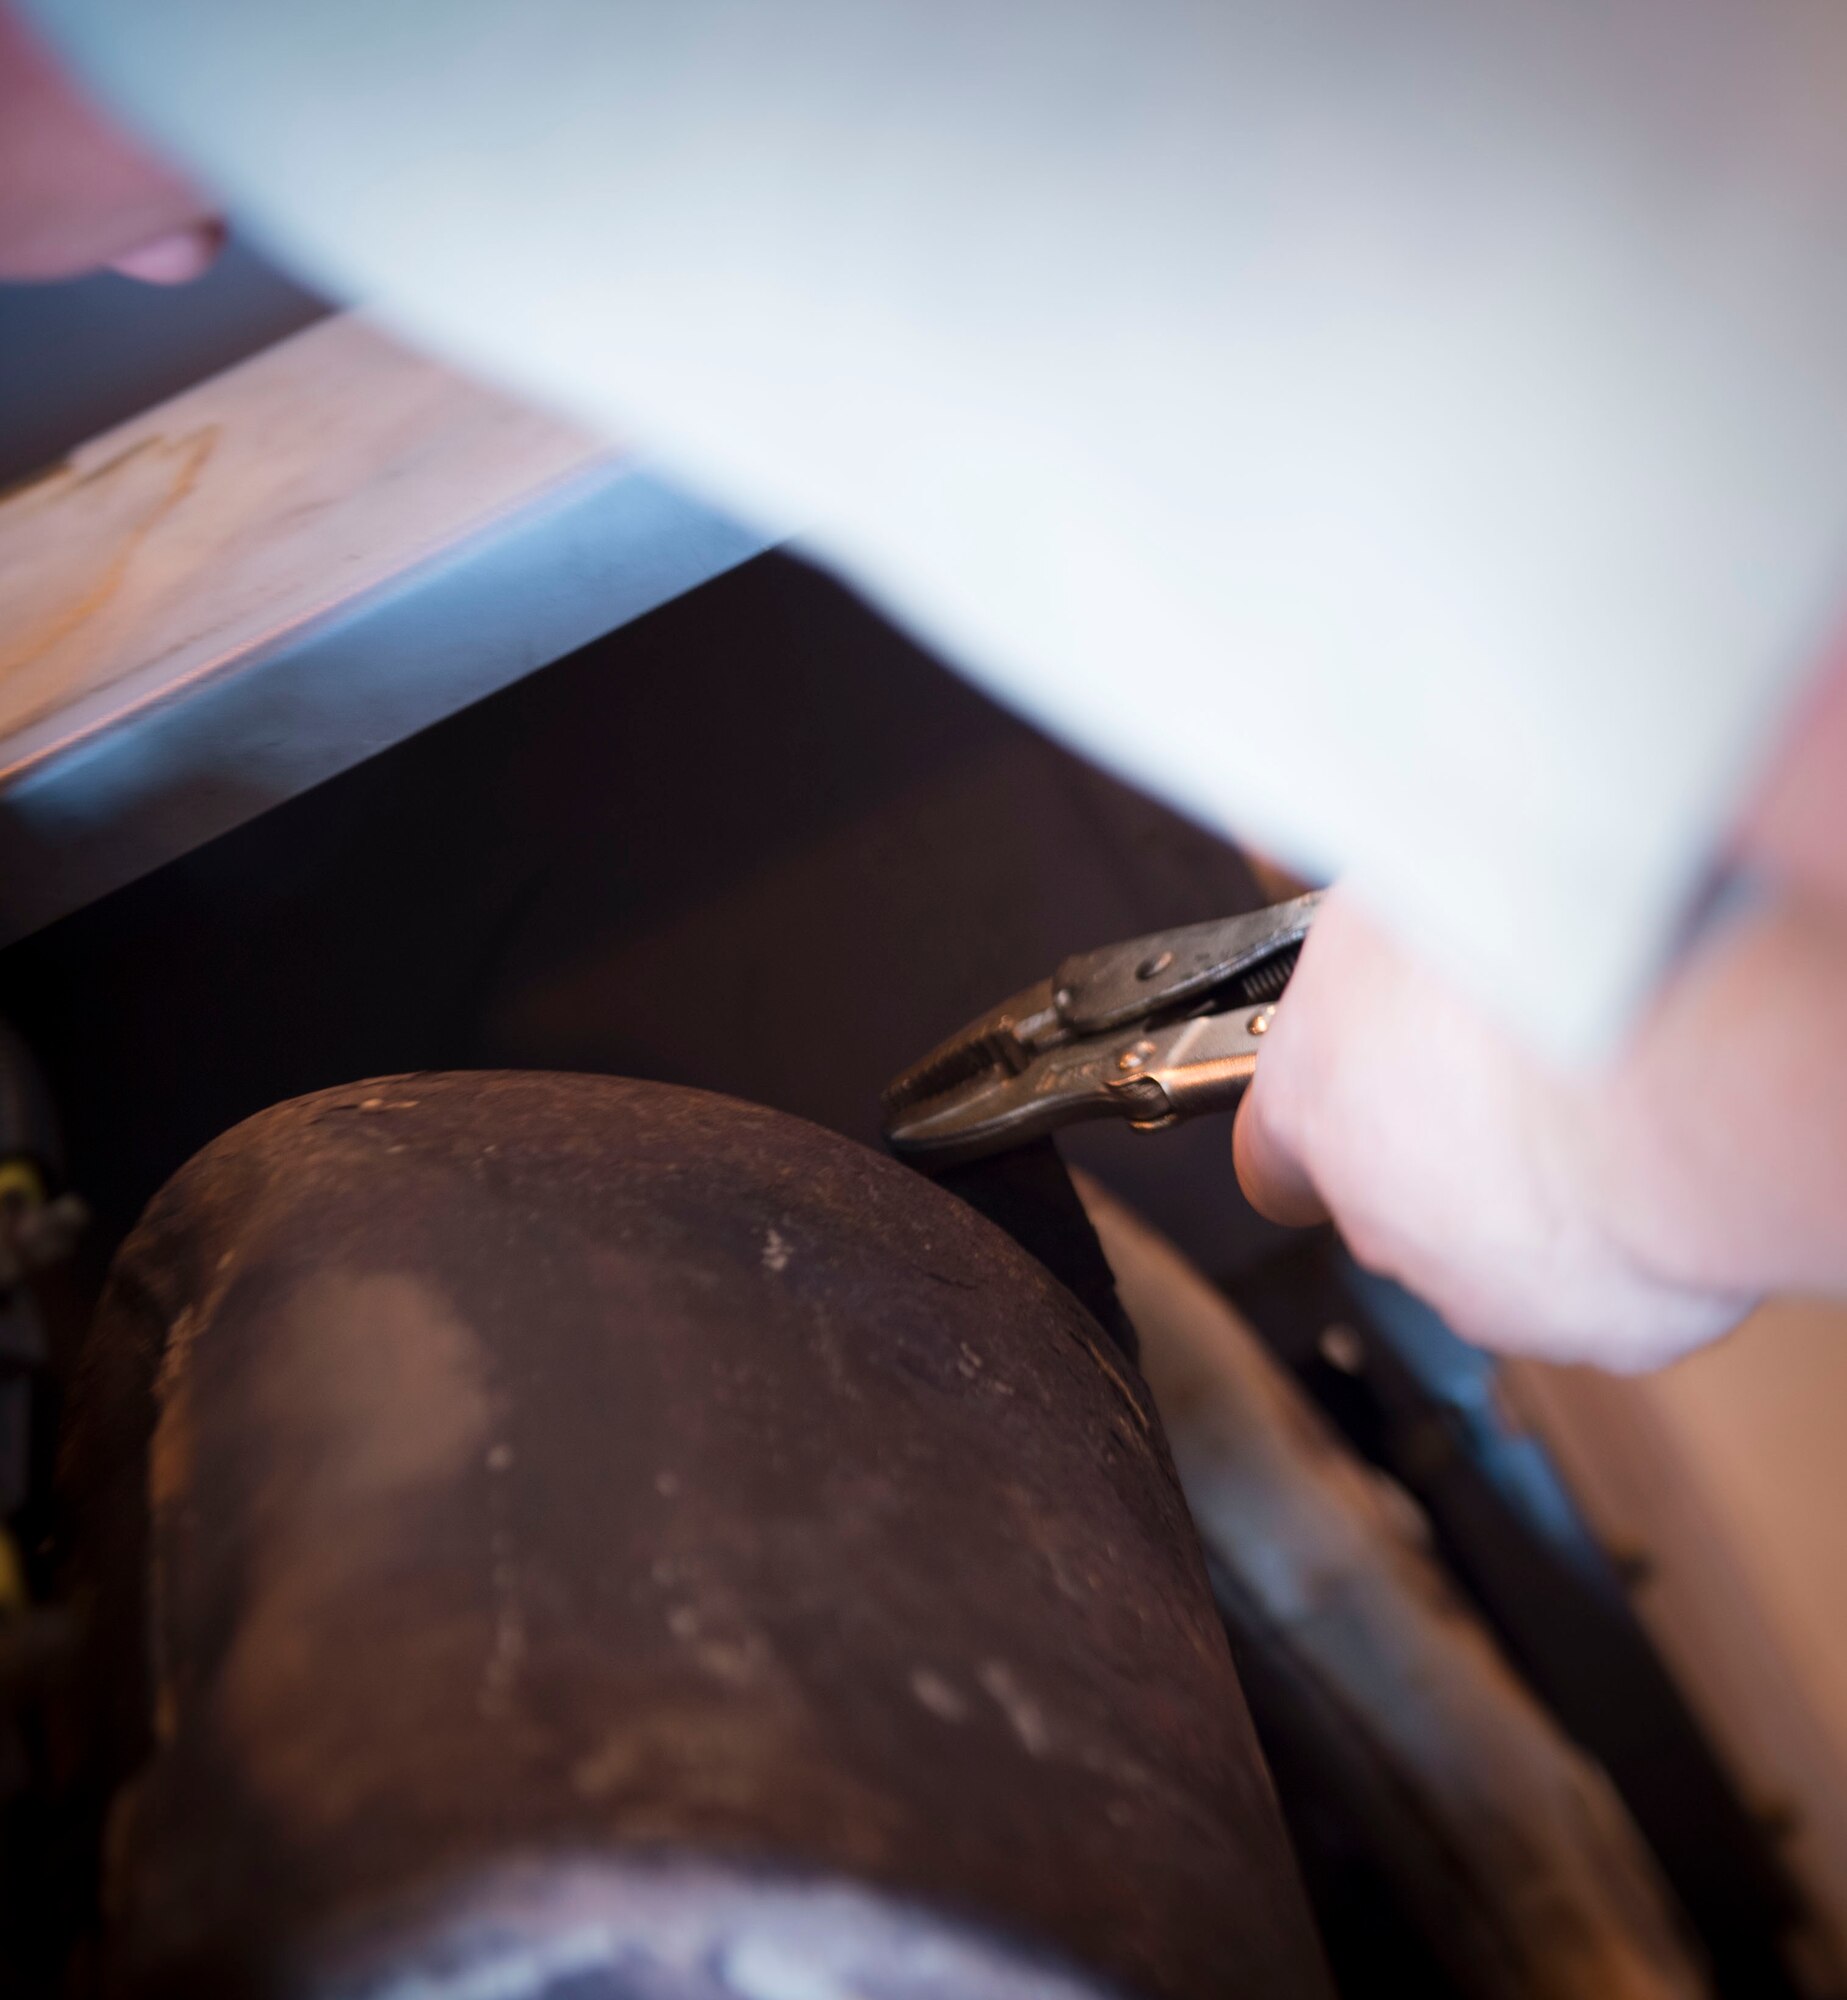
248,507
283,570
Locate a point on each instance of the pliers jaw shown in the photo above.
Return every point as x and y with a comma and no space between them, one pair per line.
1153,1030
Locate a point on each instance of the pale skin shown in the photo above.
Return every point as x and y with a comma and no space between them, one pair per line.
1623,1217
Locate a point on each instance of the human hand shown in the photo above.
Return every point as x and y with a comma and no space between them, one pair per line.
1621,1218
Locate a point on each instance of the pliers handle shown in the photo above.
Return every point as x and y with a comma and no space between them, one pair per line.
1152,1030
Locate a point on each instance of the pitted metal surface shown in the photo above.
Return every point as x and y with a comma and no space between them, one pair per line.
546,1472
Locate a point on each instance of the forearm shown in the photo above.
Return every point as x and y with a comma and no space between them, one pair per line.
1717,1147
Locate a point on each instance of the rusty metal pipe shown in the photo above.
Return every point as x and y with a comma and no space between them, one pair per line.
604,1539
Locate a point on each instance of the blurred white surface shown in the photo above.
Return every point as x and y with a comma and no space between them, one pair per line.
1413,437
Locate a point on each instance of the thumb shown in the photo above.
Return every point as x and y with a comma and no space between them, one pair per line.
1275,1181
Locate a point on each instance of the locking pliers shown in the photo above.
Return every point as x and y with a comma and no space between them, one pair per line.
1157,1029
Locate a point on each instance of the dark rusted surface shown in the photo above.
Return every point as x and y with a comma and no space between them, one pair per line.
572,1496
1027,1193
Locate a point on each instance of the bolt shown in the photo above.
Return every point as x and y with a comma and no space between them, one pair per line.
1152,968
1259,1023
1133,1058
